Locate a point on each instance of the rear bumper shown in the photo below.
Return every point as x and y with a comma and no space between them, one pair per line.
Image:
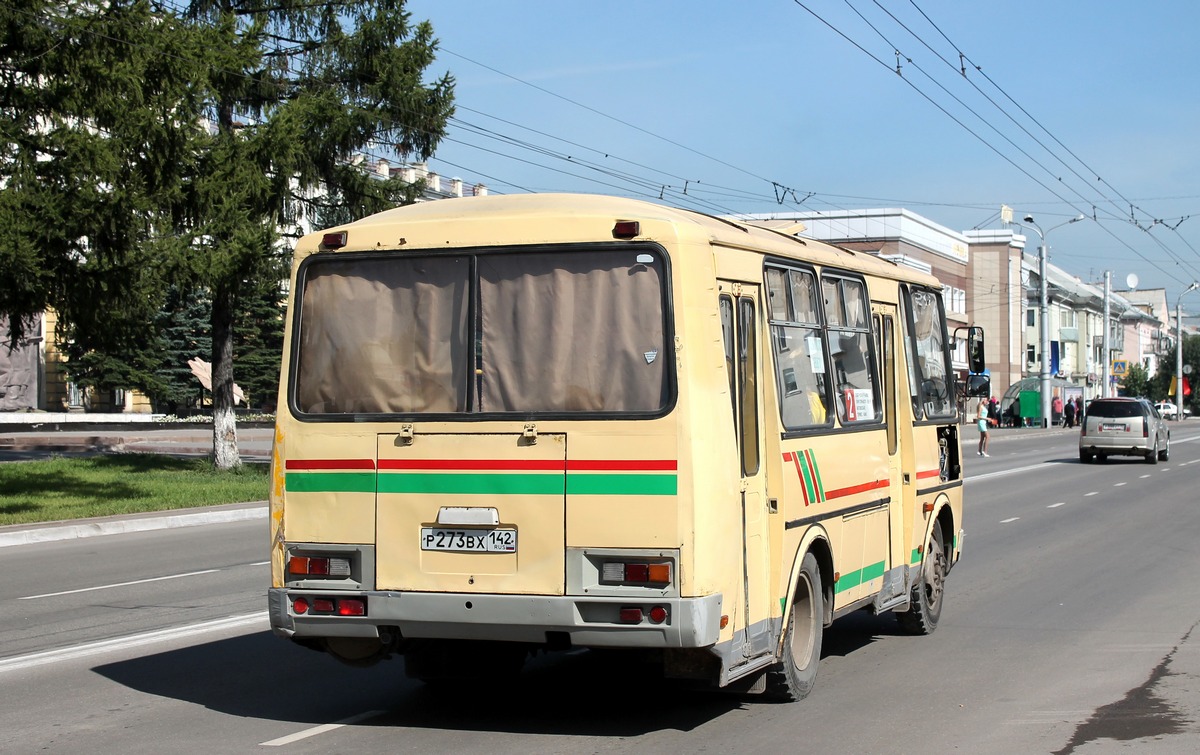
587,621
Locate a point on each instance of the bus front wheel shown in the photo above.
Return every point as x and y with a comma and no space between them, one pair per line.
796,673
926,606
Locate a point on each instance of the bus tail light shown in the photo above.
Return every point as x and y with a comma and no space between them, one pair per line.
658,615
635,573
329,606
318,566
631,616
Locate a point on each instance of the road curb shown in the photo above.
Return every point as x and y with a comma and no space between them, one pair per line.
28,535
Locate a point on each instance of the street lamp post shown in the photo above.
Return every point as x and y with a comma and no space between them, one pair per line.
1043,315
1179,351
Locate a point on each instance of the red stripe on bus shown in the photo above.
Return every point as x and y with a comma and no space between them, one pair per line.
551,465
630,465
543,465
842,492
329,464
929,473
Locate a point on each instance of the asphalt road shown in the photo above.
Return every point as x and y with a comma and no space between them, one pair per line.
1072,625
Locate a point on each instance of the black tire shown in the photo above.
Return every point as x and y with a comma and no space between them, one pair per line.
926,608
794,676
1152,457
1086,457
1165,454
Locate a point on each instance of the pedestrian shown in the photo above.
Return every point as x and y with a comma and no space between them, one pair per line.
981,418
994,412
1056,409
1069,414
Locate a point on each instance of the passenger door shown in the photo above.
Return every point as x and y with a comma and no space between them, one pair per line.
738,303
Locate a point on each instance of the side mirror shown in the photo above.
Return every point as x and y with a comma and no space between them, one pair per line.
978,385
975,355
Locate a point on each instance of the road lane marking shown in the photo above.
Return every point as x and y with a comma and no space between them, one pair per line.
1094,492
1143,477
1119,484
119,584
1056,505
1010,519
314,731
136,640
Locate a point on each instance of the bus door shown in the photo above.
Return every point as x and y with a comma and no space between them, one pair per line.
901,488
738,304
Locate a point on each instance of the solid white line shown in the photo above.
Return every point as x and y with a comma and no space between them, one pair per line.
118,584
314,731
1056,505
1011,519
132,641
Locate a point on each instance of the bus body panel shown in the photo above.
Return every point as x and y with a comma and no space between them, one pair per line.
581,492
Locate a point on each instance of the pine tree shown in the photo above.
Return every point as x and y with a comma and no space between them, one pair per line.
154,146
183,323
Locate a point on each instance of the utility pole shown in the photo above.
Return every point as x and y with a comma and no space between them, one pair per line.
1044,316
1105,366
1179,351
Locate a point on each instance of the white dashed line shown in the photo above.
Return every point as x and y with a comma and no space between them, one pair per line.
1094,492
1119,484
1056,505
314,731
1011,519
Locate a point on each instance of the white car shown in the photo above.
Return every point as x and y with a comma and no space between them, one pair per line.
1167,410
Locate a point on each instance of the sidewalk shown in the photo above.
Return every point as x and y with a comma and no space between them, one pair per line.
254,443
27,534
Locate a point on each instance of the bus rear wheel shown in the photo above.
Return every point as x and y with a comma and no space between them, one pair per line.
926,606
796,673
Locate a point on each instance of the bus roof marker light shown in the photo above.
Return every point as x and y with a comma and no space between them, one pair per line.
335,240
626,229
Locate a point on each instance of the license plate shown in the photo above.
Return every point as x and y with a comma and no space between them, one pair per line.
1114,428
469,541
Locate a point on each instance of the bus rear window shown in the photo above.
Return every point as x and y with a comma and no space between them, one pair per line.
555,332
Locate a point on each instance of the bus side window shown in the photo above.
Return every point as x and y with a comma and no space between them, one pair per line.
799,346
725,303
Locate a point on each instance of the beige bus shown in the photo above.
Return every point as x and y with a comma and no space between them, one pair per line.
540,422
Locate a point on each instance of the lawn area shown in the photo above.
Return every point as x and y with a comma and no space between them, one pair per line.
77,487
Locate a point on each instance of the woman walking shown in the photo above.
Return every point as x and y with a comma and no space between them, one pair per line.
982,420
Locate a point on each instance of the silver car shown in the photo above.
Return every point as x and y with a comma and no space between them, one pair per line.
1123,427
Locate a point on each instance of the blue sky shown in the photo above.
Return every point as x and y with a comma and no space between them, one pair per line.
742,103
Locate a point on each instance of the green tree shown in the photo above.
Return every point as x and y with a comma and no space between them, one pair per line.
258,345
158,145
1136,382
97,105
184,327
298,89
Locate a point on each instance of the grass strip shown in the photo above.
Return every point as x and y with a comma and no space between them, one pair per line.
63,488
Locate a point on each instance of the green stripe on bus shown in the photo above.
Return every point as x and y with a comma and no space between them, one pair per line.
482,483
817,475
529,484
855,578
330,482
806,473
622,484
916,556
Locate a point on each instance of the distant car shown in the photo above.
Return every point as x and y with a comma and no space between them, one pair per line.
1168,410
1123,427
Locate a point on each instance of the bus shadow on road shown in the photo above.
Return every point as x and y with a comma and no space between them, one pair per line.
259,676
